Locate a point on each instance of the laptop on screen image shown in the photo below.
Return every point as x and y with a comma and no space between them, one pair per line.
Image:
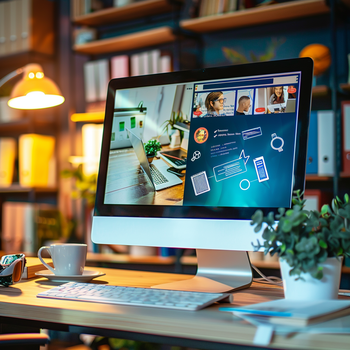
156,172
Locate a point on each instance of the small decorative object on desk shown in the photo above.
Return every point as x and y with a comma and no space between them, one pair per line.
151,149
310,245
11,269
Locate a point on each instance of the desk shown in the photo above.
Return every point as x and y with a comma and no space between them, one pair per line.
205,329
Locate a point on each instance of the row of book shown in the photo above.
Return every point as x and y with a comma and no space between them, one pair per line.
14,28
321,154
98,73
35,156
215,7
28,226
83,7
23,28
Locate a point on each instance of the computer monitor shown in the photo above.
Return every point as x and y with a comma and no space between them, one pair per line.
241,156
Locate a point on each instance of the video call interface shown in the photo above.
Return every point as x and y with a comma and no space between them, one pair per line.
239,136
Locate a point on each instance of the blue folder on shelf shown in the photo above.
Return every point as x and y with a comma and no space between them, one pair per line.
312,152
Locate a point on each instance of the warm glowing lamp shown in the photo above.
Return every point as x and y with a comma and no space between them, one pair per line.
34,91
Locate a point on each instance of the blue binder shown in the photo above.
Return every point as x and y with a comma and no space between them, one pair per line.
312,153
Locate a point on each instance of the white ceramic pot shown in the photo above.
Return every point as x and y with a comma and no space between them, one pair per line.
310,288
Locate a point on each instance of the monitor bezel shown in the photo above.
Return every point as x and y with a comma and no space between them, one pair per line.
303,65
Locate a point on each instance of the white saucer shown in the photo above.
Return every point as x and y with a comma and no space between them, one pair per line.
85,277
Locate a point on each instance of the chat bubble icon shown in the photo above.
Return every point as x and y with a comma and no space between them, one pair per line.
229,169
249,134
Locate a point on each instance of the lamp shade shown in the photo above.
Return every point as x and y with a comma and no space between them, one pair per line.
35,91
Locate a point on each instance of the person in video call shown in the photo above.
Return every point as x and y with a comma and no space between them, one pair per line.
277,96
214,104
243,105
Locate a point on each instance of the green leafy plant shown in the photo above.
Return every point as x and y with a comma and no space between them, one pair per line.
306,238
85,186
174,118
152,147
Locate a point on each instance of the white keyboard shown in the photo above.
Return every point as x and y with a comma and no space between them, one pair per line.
160,298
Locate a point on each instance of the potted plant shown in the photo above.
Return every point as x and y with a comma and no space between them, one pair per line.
151,149
169,124
310,246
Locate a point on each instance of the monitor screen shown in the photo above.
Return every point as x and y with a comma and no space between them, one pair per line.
233,140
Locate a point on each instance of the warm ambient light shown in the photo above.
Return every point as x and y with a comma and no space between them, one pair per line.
36,100
34,91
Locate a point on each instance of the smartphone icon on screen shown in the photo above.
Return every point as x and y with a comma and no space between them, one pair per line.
260,169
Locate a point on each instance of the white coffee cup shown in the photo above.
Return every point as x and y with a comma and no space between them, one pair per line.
68,258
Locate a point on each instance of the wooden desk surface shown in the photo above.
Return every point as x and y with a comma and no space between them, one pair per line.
208,325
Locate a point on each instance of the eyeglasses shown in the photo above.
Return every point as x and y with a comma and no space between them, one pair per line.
221,100
11,269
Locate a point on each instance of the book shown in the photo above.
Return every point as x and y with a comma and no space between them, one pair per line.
102,78
154,60
312,148
298,313
8,148
326,143
135,64
34,265
36,160
119,66
28,226
91,140
316,199
90,84
346,136
165,64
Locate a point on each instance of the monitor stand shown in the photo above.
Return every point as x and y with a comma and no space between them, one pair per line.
219,271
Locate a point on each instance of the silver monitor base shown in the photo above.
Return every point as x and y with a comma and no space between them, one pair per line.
219,271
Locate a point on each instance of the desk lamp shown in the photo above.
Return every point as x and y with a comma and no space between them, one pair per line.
34,91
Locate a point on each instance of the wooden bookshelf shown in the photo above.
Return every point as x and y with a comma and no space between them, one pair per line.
133,41
320,91
16,188
318,178
260,264
256,16
25,125
345,87
125,13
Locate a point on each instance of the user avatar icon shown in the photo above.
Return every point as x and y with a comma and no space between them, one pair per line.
201,135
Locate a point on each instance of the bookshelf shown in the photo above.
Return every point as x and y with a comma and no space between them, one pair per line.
33,42
256,16
215,25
